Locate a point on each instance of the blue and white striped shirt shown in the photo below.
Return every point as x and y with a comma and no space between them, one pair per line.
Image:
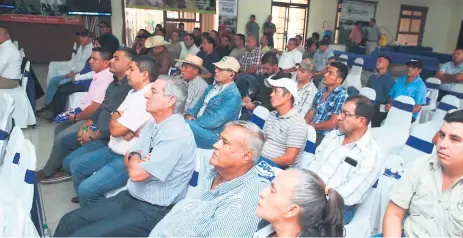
171,165
332,105
229,210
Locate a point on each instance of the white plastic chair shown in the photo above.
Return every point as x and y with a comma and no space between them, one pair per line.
16,44
353,79
21,52
202,168
15,221
259,115
393,134
309,152
23,114
74,100
344,58
6,122
432,85
24,177
458,92
361,224
369,93
74,50
12,155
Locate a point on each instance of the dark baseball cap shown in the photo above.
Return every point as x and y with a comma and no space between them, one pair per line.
415,63
85,32
104,24
145,35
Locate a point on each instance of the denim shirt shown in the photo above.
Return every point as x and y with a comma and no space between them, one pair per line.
221,109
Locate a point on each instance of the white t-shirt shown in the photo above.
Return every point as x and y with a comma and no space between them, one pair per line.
10,61
134,117
289,59
185,51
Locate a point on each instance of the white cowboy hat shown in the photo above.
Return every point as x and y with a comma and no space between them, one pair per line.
155,41
196,62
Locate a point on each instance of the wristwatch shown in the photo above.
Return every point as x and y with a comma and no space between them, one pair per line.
132,154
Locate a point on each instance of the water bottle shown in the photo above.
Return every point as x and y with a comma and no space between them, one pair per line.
46,231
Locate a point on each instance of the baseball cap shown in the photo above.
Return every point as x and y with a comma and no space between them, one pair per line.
287,83
306,65
85,32
415,63
228,62
145,35
105,24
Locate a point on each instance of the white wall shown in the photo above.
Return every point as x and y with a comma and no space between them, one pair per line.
117,19
260,8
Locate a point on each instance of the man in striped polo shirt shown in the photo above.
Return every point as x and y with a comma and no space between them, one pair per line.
285,128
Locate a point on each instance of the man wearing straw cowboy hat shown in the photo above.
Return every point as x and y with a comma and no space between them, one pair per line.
157,45
192,70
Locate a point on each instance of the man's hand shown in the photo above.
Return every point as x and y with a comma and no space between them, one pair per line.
246,99
189,117
387,107
70,75
72,116
147,158
130,135
83,138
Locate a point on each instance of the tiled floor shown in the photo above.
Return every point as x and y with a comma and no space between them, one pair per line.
56,198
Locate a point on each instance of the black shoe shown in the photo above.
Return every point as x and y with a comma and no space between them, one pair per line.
75,200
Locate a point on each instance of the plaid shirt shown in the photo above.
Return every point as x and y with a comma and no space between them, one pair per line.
251,58
332,105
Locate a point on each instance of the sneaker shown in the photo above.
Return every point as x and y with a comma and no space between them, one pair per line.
75,200
57,178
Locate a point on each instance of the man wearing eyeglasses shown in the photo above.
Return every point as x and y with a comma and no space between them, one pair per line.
348,160
219,104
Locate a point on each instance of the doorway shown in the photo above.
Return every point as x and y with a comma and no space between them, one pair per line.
290,18
411,25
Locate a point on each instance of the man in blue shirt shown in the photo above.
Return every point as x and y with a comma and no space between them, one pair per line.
382,82
410,85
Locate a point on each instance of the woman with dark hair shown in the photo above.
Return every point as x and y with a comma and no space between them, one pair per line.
209,56
215,35
299,204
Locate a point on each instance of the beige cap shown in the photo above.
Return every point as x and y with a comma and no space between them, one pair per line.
195,61
155,41
306,65
228,62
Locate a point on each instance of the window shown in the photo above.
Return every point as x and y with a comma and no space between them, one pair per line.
411,25
171,20
290,18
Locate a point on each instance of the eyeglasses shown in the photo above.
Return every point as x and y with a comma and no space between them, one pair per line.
345,114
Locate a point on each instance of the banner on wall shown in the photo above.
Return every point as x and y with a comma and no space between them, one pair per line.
199,6
228,14
357,11
74,20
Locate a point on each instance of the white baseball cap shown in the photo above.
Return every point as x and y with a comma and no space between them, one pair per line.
287,83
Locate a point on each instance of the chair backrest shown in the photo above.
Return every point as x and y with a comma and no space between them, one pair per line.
369,93
267,169
418,144
21,52
447,103
25,76
16,44
24,180
433,84
401,112
74,50
309,152
353,79
202,168
6,122
259,115
357,66
458,92
12,155
344,58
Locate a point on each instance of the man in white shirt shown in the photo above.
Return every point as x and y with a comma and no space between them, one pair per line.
290,58
348,160
77,63
299,44
188,48
10,61
306,89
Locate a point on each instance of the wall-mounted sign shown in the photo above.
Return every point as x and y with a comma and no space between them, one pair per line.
228,14
200,6
357,10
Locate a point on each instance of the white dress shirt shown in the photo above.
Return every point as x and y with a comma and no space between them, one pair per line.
10,61
83,53
352,182
193,50
289,59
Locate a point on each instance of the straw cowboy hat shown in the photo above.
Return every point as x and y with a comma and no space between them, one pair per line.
155,41
196,62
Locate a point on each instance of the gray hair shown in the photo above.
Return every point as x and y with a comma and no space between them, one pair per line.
176,88
255,137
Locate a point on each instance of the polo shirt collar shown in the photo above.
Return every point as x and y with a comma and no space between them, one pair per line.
105,71
232,184
291,113
336,90
434,165
387,74
306,85
119,82
364,142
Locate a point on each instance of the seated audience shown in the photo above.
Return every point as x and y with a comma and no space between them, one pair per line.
88,168
157,46
246,79
299,45
264,44
431,190
10,61
451,73
162,32
192,69
77,63
139,44
66,134
320,59
160,167
215,35
382,82
299,204
315,38
348,159
107,36
219,104
175,48
285,128
310,49
224,48
240,48
188,48
328,101
410,85
229,193
209,57
197,36
306,89
290,58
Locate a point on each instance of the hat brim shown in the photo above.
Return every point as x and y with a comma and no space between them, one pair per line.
149,45
221,65
414,65
200,67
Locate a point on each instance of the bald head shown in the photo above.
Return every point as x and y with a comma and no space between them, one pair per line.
251,43
4,34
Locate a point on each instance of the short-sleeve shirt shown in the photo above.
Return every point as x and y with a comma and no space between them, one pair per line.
134,117
433,212
305,97
283,132
253,28
373,33
97,89
289,59
415,89
271,26
382,86
208,61
196,88
250,58
332,105
450,68
321,58
237,53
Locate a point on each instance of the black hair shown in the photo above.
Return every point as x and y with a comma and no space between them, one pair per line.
342,70
298,36
270,58
105,53
159,25
129,52
190,35
210,40
292,39
386,57
148,64
324,41
181,24
373,20
316,35
6,30
357,23
456,116
205,34
459,48
163,31
253,16
309,43
242,37
228,37
197,28
363,107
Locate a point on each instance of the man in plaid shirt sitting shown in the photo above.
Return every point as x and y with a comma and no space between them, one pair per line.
249,68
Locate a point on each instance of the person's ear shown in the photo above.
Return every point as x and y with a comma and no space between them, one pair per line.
293,210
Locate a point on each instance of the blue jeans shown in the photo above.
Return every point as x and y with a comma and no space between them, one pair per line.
204,138
53,85
349,212
110,174
247,85
82,151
